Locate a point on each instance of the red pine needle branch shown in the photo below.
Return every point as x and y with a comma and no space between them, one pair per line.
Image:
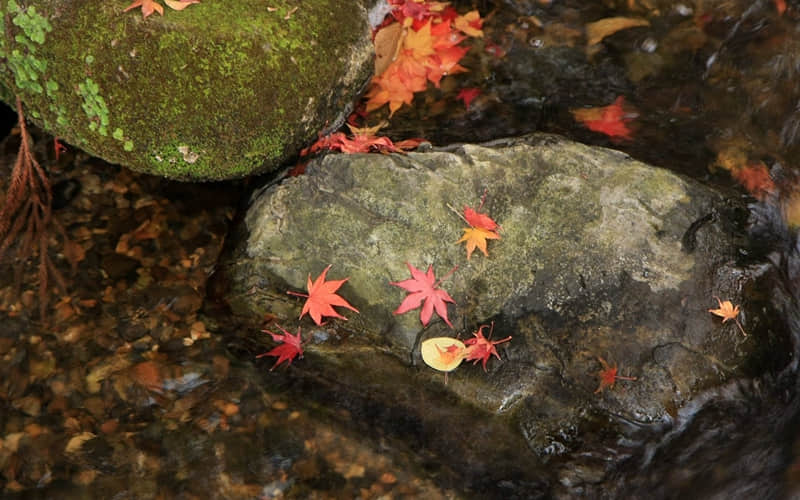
26,217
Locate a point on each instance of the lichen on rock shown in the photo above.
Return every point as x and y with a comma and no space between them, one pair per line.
241,86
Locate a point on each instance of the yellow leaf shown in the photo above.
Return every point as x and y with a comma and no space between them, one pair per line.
476,238
469,23
420,43
442,353
596,31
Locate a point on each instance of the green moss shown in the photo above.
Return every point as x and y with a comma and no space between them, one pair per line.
235,81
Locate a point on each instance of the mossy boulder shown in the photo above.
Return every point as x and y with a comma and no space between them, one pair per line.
601,256
219,90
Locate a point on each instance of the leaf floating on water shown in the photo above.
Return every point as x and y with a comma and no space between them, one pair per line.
610,120
598,30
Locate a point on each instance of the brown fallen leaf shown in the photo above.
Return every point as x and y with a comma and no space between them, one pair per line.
388,41
596,31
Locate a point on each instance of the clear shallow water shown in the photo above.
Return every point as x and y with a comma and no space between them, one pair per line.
130,398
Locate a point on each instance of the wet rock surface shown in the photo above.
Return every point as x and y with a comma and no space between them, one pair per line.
601,257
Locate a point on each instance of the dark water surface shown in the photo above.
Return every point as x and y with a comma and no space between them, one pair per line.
139,386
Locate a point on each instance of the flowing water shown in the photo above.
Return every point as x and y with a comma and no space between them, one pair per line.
706,85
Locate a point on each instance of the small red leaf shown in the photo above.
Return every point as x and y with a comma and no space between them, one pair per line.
468,95
291,346
480,348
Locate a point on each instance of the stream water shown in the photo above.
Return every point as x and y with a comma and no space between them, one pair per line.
706,84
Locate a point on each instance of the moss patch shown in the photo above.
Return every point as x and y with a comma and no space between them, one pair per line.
242,87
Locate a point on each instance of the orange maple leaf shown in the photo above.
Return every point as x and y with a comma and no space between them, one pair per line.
424,287
476,238
727,311
291,347
321,298
480,348
482,228
608,376
148,7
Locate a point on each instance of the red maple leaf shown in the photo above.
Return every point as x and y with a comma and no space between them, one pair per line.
424,287
321,298
479,220
608,376
481,348
291,347
467,95
610,120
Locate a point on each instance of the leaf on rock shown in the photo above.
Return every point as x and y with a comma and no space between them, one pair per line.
480,348
363,140
482,228
608,376
442,353
291,346
727,311
179,4
322,298
423,287
476,237
610,120
148,7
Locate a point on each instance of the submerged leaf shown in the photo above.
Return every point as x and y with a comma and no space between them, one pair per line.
596,31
